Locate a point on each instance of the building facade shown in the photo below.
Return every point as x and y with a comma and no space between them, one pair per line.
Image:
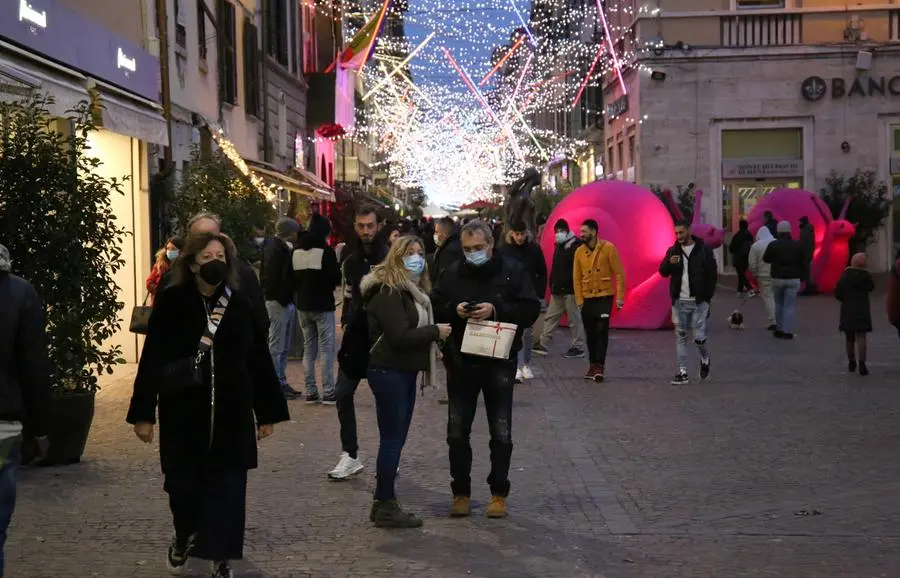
95,51
742,97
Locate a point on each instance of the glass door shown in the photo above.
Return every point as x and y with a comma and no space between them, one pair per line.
738,200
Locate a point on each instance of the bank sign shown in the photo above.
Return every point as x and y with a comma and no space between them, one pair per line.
52,29
816,88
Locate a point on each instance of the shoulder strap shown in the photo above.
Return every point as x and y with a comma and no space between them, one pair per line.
212,321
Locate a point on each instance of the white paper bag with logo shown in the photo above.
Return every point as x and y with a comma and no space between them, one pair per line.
488,338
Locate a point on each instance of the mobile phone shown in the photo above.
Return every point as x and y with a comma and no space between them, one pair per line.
469,307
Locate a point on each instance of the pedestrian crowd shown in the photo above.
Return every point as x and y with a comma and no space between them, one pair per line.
212,383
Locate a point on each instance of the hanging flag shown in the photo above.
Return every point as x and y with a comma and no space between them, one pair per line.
359,48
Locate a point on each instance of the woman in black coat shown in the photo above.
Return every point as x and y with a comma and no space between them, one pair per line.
211,411
853,291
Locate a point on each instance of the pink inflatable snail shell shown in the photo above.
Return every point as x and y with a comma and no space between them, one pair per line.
832,236
712,236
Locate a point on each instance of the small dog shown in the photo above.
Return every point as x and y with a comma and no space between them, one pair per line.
736,320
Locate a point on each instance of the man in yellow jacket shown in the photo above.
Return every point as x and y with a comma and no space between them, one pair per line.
597,266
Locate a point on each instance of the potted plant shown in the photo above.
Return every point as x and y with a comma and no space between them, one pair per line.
869,206
57,220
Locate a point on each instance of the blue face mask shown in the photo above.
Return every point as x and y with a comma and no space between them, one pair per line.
477,258
562,237
172,255
415,264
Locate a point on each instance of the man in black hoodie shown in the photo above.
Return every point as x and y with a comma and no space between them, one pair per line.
316,276
24,381
562,293
692,271
364,252
520,246
278,289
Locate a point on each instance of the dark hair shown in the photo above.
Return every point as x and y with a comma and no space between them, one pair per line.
541,220
743,225
447,223
365,211
591,224
193,246
561,225
683,223
518,227
177,241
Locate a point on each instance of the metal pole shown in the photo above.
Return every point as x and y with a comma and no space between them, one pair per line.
264,29
162,19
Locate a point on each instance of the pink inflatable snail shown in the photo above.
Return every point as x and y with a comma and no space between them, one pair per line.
832,236
713,237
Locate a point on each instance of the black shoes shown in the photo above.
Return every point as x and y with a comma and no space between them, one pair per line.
851,366
863,370
313,398
573,353
704,369
681,378
388,514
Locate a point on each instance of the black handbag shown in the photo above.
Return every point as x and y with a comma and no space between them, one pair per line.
186,373
140,318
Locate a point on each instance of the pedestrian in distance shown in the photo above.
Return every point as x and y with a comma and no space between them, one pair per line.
449,250
521,246
165,257
893,294
739,248
692,271
206,367
562,293
787,259
402,337
484,286
364,252
278,289
24,383
853,291
599,278
762,271
316,276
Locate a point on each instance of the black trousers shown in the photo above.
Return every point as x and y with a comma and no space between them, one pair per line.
495,379
345,391
743,284
595,314
209,506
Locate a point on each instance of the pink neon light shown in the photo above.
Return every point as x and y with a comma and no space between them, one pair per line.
612,49
521,77
502,60
587,77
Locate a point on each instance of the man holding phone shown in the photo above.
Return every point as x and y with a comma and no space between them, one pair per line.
692,271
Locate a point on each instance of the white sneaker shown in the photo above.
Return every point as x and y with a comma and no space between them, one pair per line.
527,373
519,377
346,467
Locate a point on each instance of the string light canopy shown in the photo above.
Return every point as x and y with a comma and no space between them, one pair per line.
454,105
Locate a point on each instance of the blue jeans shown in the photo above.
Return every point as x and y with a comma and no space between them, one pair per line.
785,291
395,400
527,344
318,338
282,320
8,473
689,315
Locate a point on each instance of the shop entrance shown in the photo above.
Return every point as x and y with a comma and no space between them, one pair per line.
738,200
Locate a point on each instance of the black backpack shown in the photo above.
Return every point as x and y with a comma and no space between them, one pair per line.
353,356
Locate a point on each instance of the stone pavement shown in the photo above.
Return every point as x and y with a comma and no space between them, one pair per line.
781,465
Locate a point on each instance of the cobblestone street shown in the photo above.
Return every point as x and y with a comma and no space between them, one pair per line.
781,465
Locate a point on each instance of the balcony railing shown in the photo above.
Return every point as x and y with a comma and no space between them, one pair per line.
762,30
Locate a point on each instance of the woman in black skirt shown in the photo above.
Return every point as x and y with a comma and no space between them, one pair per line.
852,291
206,365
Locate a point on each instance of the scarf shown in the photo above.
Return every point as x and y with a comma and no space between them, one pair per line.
426,317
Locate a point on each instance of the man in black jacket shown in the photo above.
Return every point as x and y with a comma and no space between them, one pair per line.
520,246
808,240
316,276
562,293
364,252
449,250
278,288
788,259
484,286
24,381
692,271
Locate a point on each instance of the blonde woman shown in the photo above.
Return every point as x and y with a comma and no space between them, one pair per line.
402,336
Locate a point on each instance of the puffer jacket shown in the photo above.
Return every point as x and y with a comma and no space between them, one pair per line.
316,270
758,267
24,363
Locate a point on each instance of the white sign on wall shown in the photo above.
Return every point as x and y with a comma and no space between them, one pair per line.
761,168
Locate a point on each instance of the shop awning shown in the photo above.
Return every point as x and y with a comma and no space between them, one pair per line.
275,178
17,82
132,116
318,185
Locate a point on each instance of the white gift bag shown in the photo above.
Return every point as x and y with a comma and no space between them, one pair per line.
488,338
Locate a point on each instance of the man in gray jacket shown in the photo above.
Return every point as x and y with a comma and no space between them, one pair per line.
24,381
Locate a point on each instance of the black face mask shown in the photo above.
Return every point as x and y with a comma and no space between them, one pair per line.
214,272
